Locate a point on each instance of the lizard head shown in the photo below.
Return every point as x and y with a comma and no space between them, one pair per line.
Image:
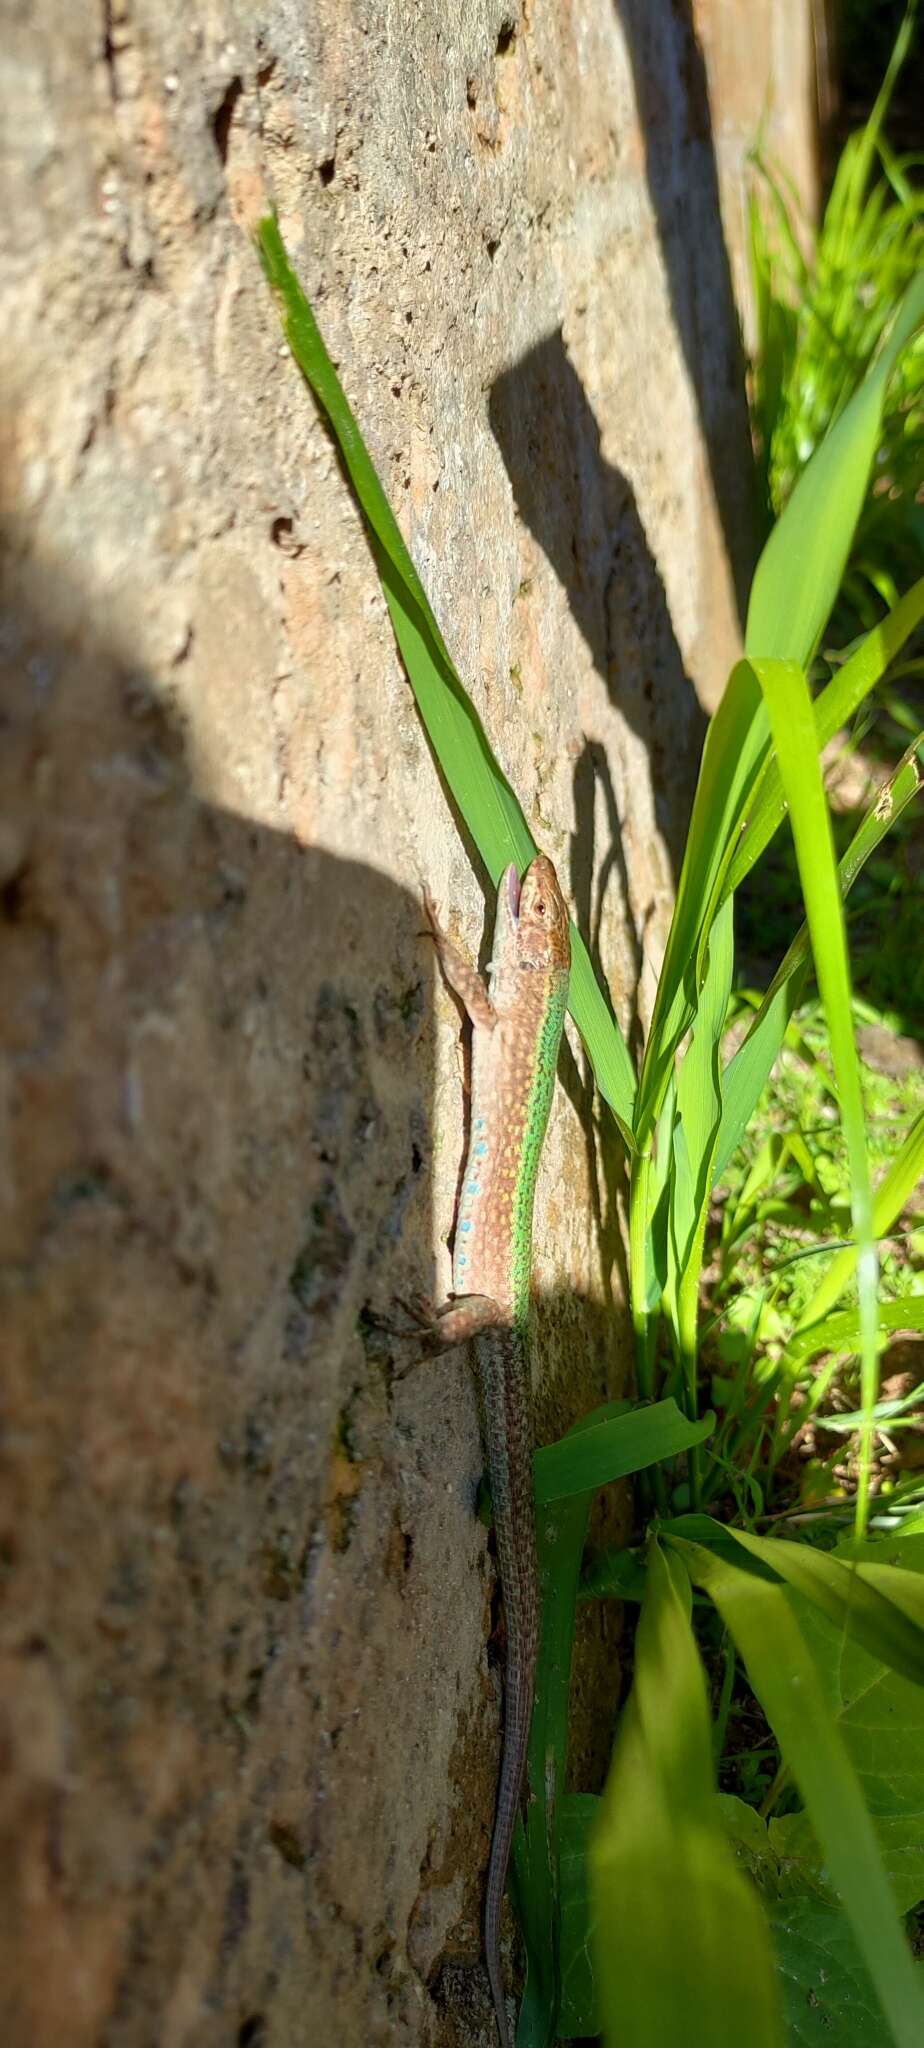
540,915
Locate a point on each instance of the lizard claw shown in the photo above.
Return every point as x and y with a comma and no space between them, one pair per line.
421,1315
421,1311
424,1321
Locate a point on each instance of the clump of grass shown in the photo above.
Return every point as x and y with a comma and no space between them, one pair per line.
783,1446
823,301
636,1913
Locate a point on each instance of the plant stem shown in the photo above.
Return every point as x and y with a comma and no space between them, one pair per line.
644,1323
728,1685
639,1195
778,1786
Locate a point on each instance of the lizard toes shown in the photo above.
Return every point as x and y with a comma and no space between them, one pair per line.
420,1309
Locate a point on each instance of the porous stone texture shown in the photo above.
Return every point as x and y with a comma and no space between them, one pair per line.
251,1671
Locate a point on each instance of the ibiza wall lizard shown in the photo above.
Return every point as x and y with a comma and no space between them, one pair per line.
516,1032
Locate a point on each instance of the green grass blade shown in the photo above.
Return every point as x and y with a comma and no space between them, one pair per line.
801,568
735,743
841,1332
836,1334
782,1671
748,1072
846,204
793,728
681,1945
481,791
897,1184
864,1589
836,703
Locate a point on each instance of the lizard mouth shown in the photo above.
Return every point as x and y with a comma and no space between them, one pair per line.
513,892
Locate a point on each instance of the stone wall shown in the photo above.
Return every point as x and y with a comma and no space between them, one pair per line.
251,1670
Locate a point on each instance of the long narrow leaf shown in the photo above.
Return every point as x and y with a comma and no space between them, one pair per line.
699,1114
841,1332
735,744
790,710
794,588
612,1447
682,1950
837,702
879,1606
484,797
748,1072
762,1621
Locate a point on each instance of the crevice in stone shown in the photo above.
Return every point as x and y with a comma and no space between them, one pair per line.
222,120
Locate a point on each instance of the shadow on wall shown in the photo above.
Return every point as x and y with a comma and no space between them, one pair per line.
224,1513
672,98
217,1104
583,513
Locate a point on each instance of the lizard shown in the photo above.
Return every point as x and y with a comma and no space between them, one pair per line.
517,1022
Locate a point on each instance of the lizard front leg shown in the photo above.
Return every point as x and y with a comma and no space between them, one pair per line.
464,979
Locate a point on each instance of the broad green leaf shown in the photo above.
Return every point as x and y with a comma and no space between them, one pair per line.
827,1992
897,1184
682,1952
614,1575
898,1835
746,1830
481,791
800,570
791,723
762,1619
828,1996
748,1072
613,1447
836,703
881,1719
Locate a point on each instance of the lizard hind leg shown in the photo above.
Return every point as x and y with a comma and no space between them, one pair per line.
453,1323
465,1317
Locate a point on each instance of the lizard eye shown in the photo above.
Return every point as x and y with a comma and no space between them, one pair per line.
540,908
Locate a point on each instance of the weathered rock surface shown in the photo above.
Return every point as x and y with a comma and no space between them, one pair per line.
249,1711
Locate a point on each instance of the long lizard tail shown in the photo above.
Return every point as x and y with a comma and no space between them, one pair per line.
504,1372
